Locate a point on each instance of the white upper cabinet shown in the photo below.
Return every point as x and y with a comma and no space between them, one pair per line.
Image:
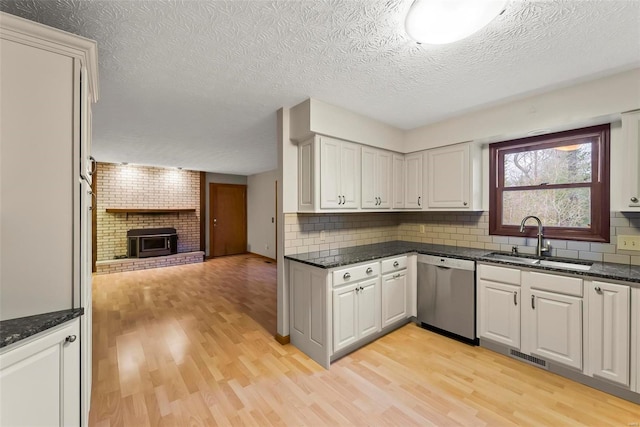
631,135
453,177
339,174
377,176
413,181
328,175
398,181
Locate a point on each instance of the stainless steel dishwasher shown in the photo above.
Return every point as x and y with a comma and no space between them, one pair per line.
447,296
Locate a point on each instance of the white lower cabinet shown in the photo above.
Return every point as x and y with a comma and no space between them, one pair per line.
333,311
499,312
554,323
499,304
609,338
308,328
394,297
40,379
356,312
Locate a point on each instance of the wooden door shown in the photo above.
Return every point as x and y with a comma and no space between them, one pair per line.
394,297
398,181
227,219
384,168
330,195
344,316
368,188
350,175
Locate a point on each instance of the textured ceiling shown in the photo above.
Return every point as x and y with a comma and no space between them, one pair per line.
196,84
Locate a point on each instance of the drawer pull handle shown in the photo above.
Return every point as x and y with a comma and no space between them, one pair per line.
70,338
369,270
634,200
347,276
515,297
396,263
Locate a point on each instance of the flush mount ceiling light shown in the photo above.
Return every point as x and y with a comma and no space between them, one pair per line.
446,21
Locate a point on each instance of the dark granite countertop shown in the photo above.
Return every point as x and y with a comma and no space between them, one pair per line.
356,254
14,330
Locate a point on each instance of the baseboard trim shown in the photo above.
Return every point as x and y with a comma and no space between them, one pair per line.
262,256
283,340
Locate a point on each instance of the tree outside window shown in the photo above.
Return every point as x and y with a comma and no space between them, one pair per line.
562,178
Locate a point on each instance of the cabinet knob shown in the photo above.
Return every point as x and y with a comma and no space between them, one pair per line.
369,270
465,203
347,275
70,338
598,289
634,200
396,263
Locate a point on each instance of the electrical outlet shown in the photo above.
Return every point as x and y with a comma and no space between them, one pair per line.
629,243
322,235
421,229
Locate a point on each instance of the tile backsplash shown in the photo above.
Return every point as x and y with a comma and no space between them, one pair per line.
465,229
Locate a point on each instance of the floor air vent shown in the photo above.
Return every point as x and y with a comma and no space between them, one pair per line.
529,359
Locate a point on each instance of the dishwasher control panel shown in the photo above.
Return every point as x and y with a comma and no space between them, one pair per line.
460,264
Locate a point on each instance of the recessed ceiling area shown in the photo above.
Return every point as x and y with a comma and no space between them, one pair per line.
196,84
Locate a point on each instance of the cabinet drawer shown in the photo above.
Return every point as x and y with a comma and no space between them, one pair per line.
394,264
552,283
356,273
499,274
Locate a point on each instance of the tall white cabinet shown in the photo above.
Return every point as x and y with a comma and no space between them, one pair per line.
631,135
48,81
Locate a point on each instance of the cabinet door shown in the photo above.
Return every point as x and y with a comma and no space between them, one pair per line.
345,300
368,307
384,179
40,381
609,320
499,313
330,159
398,181
306,176
413,181
394,297
369,178
448,183
350,175
631,132
555,326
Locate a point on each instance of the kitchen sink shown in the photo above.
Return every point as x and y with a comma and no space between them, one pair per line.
518,259
569,265
543,262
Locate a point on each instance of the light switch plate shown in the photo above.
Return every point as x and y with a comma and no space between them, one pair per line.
629,243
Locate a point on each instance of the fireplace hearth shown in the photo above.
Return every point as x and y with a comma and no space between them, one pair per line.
150,242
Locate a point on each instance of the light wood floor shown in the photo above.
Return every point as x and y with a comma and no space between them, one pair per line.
193,345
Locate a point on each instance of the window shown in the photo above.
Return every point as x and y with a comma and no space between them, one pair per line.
562,178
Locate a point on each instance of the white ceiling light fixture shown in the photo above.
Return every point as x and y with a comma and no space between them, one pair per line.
447,21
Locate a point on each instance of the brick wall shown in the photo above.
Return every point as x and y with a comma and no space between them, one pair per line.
465,229
128,186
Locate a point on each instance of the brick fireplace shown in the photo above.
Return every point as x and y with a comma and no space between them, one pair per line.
143,197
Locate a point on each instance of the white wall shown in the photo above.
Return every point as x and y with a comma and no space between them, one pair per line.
218,178
261,213
585,104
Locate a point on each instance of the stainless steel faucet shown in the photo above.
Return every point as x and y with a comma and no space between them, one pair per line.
540,249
